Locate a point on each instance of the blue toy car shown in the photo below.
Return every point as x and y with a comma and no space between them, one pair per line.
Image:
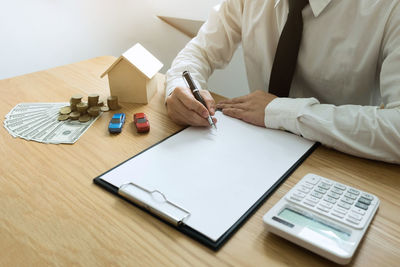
116,123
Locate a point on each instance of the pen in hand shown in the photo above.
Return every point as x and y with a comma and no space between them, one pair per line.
196,92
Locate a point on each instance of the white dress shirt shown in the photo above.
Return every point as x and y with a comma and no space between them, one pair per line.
348,68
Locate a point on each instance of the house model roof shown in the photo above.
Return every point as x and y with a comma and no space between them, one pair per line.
141,59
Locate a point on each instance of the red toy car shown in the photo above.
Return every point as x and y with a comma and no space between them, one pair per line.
141,122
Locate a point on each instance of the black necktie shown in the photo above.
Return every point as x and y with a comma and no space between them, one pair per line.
285,60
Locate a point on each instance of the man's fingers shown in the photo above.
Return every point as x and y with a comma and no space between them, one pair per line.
210,102
192,117
235,100
240,114
184,109
234,112
183,116
222,106
187,98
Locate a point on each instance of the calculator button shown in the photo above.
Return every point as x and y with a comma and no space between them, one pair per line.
353,197
308,185
344,205
320,190
313,180
337,191
295,198
340,186
355,216
324,185
364,201
340,210
358,210
330,200
323,208
309,203
326,204
316,194
353,191
352,221
312,199
327,182
339,215
361,206
299,194
333,195
367,196
304,189
347,200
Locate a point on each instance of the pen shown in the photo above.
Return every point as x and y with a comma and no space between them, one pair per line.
196,92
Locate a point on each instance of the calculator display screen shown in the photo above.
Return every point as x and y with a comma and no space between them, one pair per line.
314,224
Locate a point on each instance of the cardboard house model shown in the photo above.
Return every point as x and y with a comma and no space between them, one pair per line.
134,76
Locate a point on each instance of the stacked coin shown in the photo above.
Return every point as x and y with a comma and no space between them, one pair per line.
94,111
74,115
82,107
65,110
64,113
75,99
83,111
93,100
112,102
63,117
84,118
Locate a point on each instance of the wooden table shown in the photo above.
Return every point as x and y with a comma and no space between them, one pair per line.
51,213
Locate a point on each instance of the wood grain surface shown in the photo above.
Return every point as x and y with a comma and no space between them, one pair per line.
51,213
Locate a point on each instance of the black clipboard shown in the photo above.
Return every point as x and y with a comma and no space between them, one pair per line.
189,231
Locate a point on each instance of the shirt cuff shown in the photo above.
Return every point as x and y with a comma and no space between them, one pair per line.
283,113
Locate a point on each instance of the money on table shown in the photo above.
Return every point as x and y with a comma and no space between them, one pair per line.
39,122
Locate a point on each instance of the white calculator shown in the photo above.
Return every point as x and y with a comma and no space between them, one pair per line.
323,216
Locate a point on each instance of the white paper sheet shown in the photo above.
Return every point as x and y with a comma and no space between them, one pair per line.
216,175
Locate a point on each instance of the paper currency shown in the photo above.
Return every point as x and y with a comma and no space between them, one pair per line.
39,122
68,132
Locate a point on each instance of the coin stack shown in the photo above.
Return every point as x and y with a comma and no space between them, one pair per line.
74,115
83,111
82,107
64,113
94,111
93,100
84,118
112,102
75,99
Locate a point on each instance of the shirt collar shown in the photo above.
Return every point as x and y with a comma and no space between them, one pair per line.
317,6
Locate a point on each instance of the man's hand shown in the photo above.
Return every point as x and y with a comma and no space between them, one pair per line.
249,108
184,109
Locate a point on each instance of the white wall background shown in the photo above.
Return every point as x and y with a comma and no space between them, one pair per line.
40,34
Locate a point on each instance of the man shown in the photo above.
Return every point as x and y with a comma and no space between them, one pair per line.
345,90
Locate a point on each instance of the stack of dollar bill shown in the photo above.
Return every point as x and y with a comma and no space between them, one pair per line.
39,122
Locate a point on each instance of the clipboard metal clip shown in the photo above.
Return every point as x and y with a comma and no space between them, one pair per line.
155,202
